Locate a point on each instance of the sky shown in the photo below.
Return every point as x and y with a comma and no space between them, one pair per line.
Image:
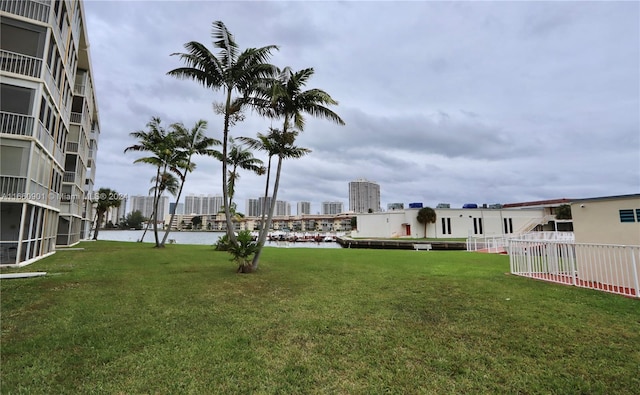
444,102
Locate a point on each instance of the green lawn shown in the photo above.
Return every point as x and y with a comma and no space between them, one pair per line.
124,318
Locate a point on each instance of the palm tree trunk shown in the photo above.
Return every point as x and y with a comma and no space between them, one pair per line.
175,208
263,209
95,232
276,184
225,193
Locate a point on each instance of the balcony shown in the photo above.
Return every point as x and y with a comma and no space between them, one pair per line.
11,187
32,9
72,147
13,62
69,176
78,89
18,124
76,117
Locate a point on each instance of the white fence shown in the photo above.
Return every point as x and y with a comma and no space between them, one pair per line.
610,268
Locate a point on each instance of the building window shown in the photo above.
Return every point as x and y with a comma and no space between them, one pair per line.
626,215
477,226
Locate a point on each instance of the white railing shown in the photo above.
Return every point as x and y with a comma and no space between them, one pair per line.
69,176
32,9
78,89
51,83
18,63
499,244
610,268
19,124
72,147
76,117
11,186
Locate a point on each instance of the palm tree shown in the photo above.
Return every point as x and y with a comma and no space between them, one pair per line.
243,159
162,145
190,142
231,71
426,215
106,199
283,97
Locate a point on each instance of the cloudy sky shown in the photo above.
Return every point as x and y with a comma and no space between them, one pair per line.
454,102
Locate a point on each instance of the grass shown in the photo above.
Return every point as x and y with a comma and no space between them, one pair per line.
125,318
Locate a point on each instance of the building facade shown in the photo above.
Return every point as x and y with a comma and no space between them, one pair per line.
203,205
304,208
332,208
49,128
364,196
144,204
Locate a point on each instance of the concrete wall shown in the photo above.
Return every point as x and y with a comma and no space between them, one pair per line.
598,220
458,223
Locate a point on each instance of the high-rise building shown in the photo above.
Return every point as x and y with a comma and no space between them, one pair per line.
282,207
177,208
304,208
364,196
203,205
144,204
252,208
48,128
332,207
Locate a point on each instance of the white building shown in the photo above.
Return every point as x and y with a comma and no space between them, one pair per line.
203,205
364,196
452,223
252,208
332,208
304,208
49,128
144,204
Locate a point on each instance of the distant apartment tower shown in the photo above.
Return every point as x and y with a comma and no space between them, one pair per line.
304,208
282,207
332,207
252,209
48,128
144,204
364,196
176,208
202,205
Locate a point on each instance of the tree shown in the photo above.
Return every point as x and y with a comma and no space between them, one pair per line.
242,250
162,145
563,212
190,142
133,220
232,72
105,199
426,215
196,222
282,97
354,222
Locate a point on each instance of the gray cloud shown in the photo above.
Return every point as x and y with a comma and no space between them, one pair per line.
444,102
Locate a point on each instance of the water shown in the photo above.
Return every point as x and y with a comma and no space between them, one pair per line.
200,238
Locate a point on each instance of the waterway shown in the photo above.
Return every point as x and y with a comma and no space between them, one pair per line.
199,238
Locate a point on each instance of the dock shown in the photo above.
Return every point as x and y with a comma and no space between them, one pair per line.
400,244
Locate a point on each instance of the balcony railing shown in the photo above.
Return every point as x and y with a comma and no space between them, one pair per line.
18,63
11,186
72,147
78,89
76,117
18,124
32,9
69,176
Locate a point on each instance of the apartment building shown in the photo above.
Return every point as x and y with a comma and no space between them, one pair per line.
304,208
48,128
364,196
332,207
203,205
144,204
